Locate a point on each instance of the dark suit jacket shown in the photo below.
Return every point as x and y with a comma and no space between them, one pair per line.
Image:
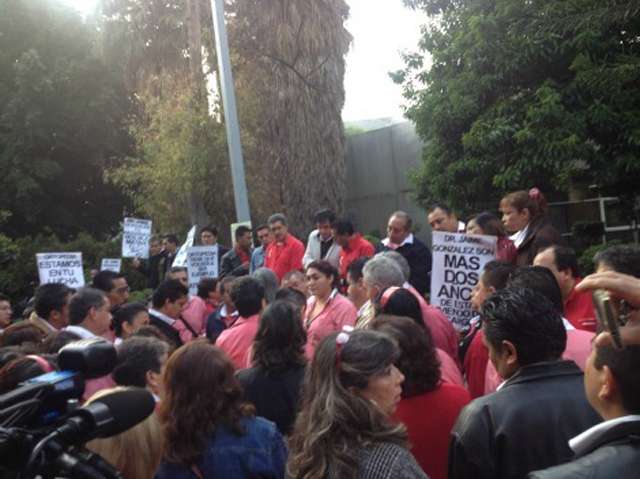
540,235
418,256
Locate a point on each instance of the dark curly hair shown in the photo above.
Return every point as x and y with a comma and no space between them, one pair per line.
418,361
201,392
279,342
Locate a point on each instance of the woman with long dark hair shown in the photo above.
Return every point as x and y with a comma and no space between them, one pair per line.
344,429
273,384
207,432
524,214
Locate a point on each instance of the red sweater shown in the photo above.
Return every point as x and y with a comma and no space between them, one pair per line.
284,257
429,419
357,248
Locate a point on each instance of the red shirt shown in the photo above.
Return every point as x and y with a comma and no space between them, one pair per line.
475,365
579,310
429,419
243,255
237,339
282,257
356,248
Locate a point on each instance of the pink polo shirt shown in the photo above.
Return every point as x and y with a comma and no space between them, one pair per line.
338,311
442,332
195,312
237,339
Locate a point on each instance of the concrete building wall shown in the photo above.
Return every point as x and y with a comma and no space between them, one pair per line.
377,185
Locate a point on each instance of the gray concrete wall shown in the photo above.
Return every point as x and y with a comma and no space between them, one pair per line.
377,185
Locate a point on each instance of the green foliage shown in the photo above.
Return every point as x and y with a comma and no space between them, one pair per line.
60,123
517,97
181,149
19,271
585,261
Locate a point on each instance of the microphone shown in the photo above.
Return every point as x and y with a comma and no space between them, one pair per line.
107,416
94,358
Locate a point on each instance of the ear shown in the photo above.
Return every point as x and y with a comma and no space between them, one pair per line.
608,385
353,390
492,289
526,212
126,328
151,379
509,349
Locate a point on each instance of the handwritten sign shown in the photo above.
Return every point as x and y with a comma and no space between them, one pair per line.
111,264
458,261
202,262
135,238
63,268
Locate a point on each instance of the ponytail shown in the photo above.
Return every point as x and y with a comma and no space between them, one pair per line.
533,200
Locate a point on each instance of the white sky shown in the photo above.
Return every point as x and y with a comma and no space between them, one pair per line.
381,30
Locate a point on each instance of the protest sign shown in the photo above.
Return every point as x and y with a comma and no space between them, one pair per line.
63,268
111,264
181,255
202,262
135,238
458,261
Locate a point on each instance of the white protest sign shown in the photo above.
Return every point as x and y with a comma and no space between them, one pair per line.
202,262
135,238
63,268
111,264
181,255
458,261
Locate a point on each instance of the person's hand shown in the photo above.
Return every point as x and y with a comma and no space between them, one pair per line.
620,287
136,262
245,266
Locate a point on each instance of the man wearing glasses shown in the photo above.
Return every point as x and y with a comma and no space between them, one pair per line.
114,284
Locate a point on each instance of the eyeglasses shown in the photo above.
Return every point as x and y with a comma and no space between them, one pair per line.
123,290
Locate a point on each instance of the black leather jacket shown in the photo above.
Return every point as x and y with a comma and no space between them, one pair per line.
231,264
524,426
614,454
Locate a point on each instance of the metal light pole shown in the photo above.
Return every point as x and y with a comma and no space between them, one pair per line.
230,112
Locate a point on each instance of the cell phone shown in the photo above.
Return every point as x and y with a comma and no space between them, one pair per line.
606,317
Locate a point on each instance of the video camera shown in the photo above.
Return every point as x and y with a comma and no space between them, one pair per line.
42,431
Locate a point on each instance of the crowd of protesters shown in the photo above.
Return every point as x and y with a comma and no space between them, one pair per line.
326,360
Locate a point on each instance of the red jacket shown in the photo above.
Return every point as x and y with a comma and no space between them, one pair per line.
356,248
284,257
580,311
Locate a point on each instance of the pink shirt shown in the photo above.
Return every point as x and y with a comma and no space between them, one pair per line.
195,312
237,339
442,332
338,311
449,371
578,350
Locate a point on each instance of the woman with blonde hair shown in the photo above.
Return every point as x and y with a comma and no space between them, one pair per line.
344,429
137,452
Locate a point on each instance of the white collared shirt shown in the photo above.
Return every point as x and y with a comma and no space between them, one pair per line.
583,442
162,317
519,237
407,240
80,331
223,312
117,342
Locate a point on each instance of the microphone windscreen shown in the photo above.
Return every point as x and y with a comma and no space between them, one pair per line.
94,358
127,408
